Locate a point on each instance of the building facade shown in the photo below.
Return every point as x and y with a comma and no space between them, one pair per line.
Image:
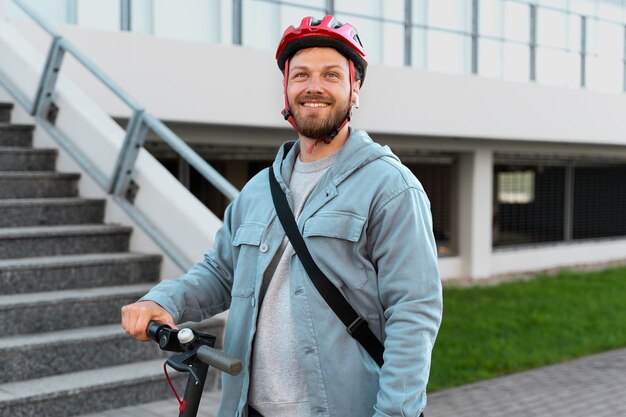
510,112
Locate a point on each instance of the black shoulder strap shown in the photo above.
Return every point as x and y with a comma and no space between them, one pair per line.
356,325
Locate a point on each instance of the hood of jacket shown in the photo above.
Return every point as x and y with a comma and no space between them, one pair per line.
358,151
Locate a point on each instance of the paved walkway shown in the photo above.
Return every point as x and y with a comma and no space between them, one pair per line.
594,386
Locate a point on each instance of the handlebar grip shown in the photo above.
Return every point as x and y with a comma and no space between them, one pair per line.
153,329
219,360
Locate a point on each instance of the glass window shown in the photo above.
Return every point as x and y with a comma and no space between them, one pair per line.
504,60
450,14
292,16
605,75
418,48
604,63
516,22
317,4
490,18
560,4
141,16
261,24
54,11
371,34
418,9
490,58
516,62
98,14
574,30
393,10
583,7
605,39
371,8
447,52
611,10
552,28
192,20
393,39
558,68
517,187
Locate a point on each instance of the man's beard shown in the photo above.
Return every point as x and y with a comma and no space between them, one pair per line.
320,128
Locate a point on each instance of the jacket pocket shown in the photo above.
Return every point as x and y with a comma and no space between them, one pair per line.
332,239
246,242
336,224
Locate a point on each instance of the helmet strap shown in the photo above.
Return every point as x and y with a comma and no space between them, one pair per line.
286,112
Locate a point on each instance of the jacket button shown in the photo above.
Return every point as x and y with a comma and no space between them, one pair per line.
252,302
263,248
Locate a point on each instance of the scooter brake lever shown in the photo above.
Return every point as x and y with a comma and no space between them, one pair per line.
182,363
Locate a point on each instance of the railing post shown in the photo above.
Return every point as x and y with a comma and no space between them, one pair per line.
43,98
533,42
125,166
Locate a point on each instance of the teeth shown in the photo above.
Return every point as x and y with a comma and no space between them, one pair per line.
315,105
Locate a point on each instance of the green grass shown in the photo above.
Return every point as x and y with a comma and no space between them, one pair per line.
492,331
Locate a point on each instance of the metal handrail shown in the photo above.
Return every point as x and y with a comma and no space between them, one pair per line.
119,182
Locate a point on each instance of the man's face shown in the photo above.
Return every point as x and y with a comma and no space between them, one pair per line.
318,91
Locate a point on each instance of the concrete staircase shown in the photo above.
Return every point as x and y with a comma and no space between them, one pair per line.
63,277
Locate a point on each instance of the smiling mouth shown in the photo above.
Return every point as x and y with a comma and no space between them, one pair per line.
315,104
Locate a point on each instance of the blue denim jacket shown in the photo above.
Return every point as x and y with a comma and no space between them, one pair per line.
368,226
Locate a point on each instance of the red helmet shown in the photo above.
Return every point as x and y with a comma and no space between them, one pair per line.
328,32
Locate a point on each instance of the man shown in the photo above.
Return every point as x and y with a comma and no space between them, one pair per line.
366,222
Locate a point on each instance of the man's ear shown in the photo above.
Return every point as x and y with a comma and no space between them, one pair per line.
355,92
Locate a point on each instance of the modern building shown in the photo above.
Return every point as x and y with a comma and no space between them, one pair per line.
512,113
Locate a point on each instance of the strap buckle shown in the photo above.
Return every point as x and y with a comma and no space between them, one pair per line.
357,326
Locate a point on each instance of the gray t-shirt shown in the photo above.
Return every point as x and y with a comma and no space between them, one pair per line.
277,386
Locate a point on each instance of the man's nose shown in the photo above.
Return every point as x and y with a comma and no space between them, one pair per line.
314,85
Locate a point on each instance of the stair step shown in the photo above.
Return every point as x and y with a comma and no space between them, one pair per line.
23,275
69,309
50,211
16,135
88,391
66,351
38,184
23,242
166,408
5,112
27,159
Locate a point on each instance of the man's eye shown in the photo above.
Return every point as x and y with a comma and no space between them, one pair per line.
332,75
299,75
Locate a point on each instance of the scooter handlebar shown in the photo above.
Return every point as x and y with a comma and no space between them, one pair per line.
219,360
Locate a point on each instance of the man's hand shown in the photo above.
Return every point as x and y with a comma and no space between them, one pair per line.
136,316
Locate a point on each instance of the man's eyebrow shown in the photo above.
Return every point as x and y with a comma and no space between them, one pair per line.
304,67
